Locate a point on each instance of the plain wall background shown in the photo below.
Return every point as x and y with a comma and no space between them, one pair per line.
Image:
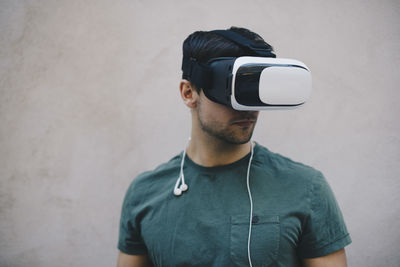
89,99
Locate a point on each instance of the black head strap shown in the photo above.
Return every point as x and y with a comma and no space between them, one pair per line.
196,72
258,49
200,73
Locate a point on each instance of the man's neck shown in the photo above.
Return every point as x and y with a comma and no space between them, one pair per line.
210,152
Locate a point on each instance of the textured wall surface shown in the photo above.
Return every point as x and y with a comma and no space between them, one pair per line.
89,99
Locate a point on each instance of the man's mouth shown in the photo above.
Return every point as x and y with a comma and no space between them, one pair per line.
244,122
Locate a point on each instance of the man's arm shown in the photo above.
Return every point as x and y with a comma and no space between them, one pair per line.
335,259
125,260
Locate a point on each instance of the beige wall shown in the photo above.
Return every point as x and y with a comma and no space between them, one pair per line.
89,98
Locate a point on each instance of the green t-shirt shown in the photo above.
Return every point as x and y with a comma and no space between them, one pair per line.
295,214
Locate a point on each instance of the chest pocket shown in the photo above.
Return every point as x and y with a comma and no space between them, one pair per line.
265,235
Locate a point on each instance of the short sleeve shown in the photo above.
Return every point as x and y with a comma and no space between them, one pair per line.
130,240
324,231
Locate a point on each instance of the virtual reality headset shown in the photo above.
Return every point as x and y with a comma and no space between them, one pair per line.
252,82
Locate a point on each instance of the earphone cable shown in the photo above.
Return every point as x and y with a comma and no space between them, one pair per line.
251,204
183,187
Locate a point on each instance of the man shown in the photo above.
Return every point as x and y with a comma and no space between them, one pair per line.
239,204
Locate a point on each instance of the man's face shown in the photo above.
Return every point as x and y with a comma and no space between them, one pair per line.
225,123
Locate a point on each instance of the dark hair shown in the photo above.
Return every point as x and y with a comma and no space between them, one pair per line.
204,45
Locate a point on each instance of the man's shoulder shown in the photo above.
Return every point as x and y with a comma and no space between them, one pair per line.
159,173
284,166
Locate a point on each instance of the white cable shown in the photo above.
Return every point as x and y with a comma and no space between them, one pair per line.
183,187
251,204
178,191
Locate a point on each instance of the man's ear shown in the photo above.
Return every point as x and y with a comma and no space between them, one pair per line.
188,93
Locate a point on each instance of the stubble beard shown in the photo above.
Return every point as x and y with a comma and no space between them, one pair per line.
227,133
242,136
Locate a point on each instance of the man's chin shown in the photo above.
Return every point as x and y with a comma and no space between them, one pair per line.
231,135
236,140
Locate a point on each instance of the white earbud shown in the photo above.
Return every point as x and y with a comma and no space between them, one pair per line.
177,192
183,187
179,189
